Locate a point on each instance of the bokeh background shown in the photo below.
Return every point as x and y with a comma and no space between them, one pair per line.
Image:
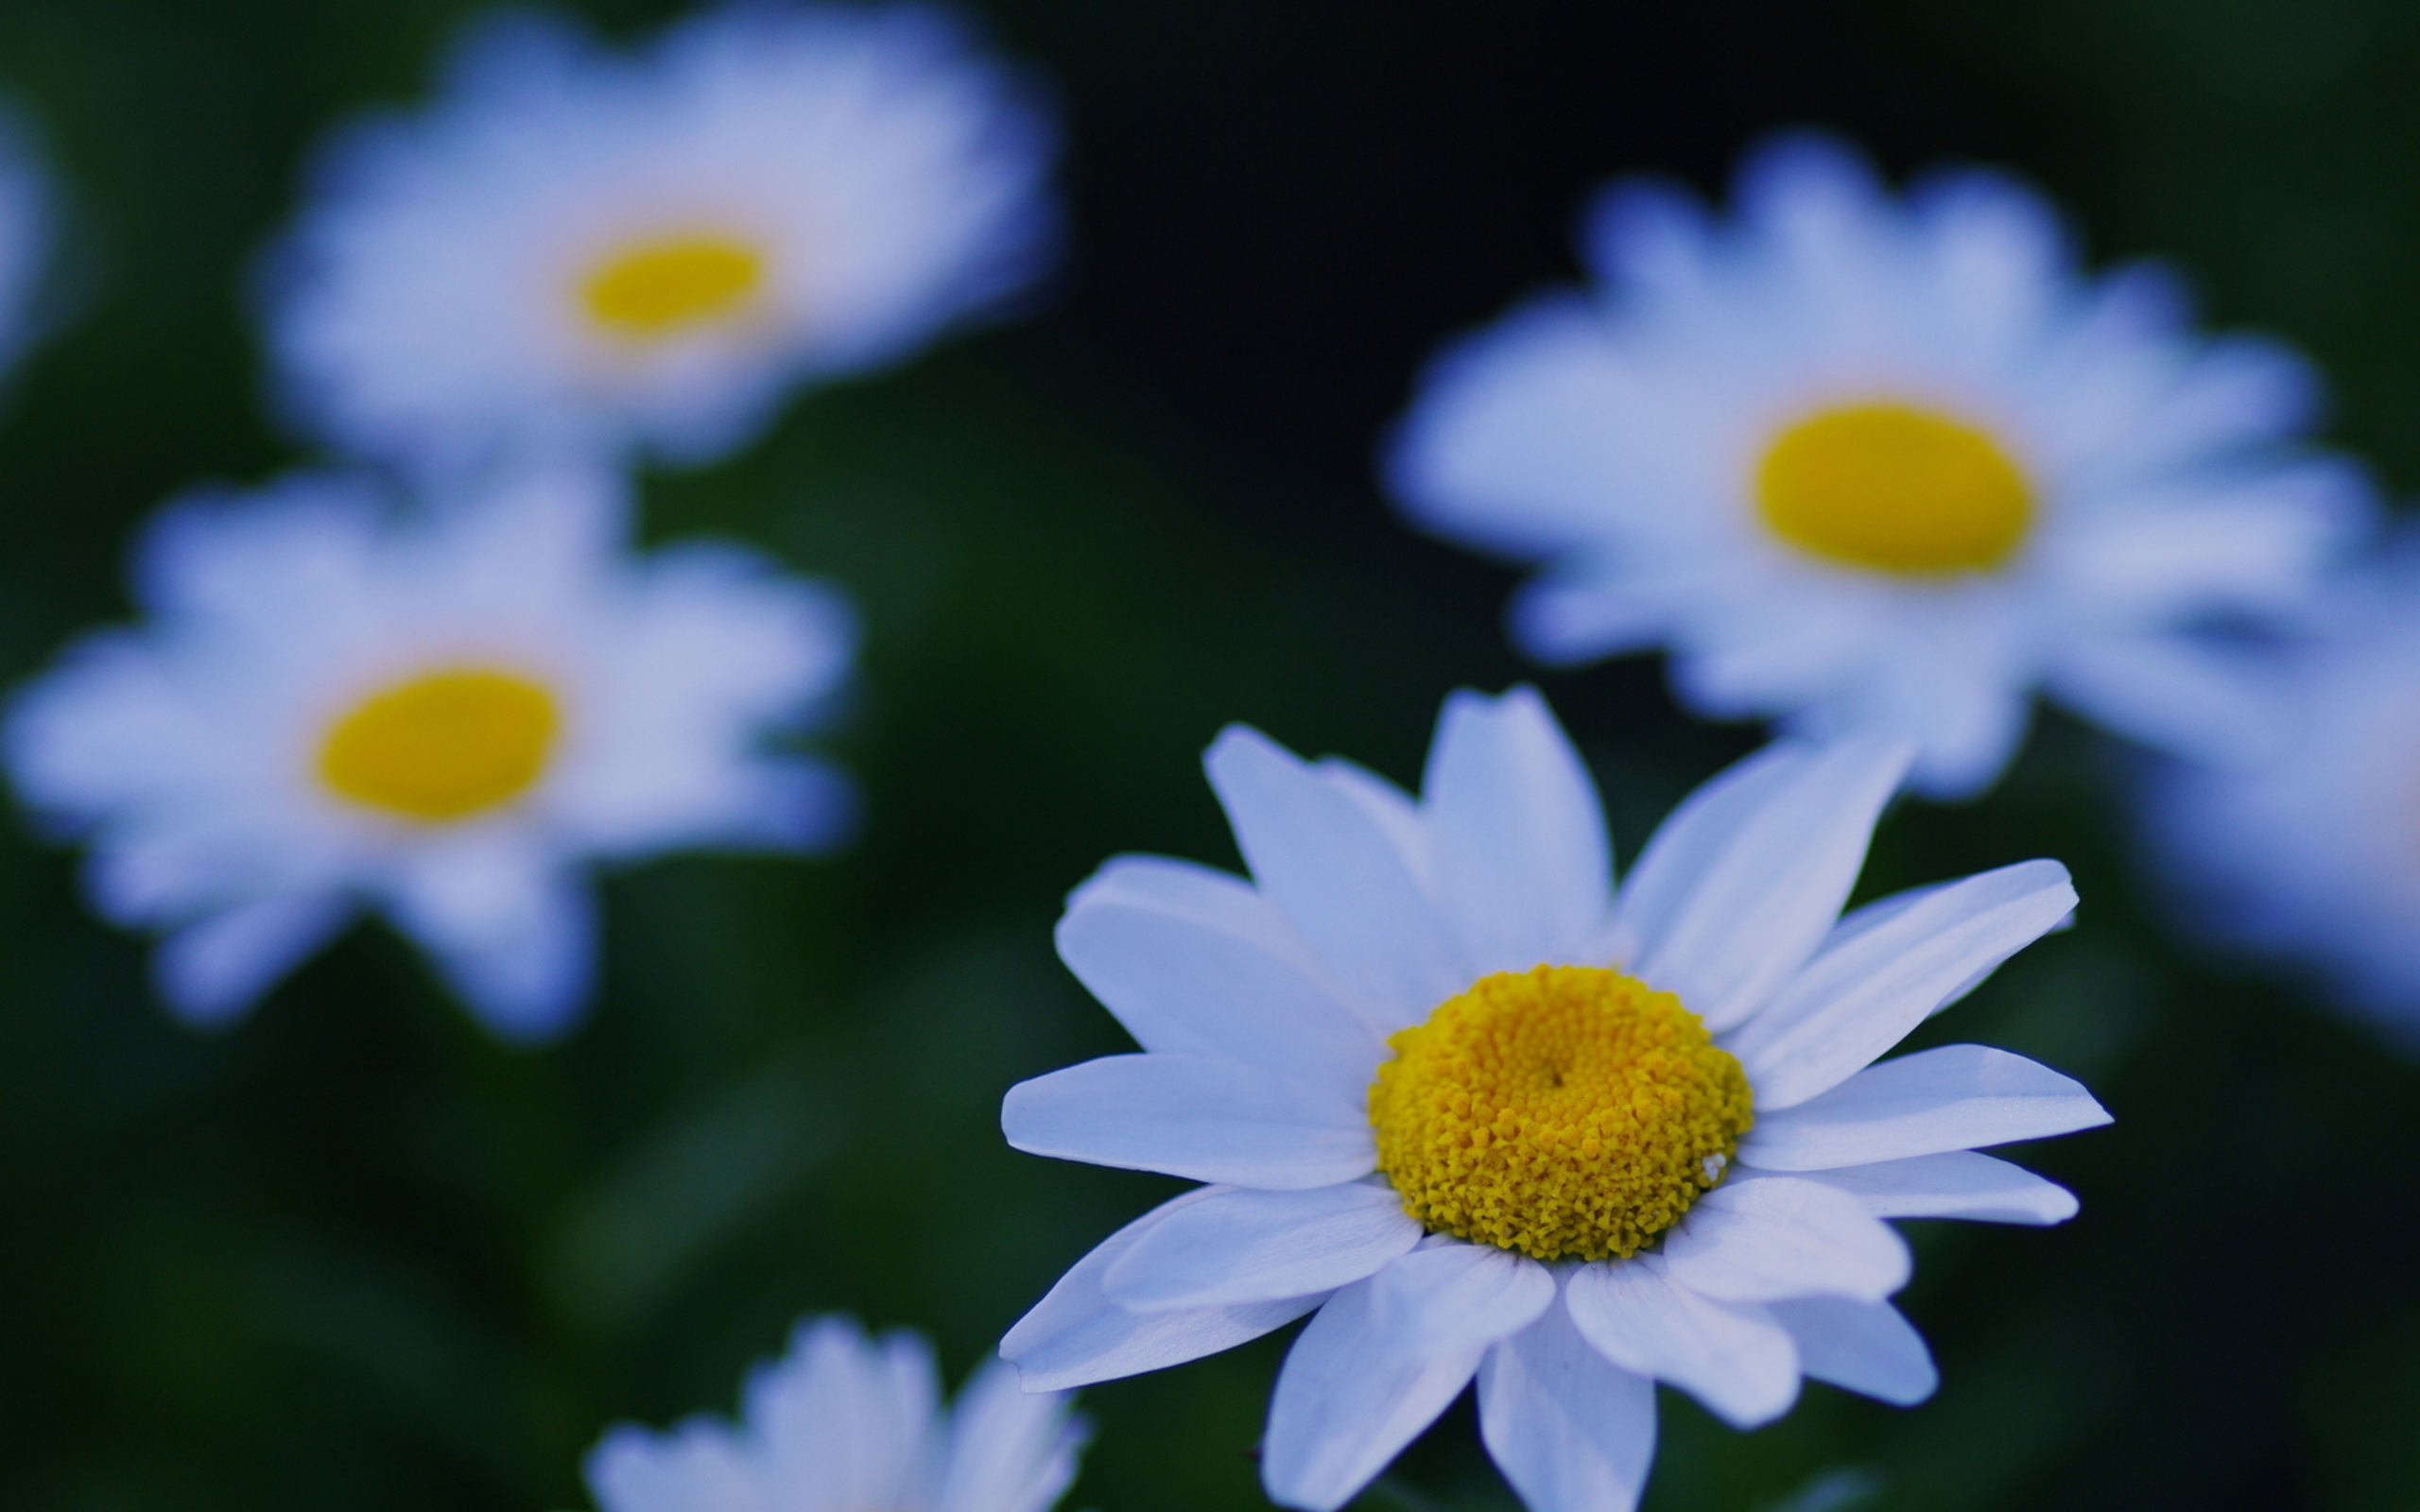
357,1255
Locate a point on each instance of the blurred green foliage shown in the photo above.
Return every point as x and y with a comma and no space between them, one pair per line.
353,1254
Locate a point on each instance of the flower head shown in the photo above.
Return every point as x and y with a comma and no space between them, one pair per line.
2313,855
1486,1116
573,247
441,719
1885,465
847,1422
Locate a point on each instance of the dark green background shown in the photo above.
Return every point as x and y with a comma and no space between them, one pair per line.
354,1255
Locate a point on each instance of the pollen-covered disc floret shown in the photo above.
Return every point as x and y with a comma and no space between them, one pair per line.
1569,1112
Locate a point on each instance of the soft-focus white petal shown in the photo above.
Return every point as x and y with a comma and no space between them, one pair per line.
1954,1184
1956,1097
1572,1430
1524,869
1262,1247
511,934
1185,979
1870,984
1867,1346
1010,1450
1336,876
1382,1359
1729,1355
1740,884
1075,1335
698,1466
1761,1240
1194,1117
843,1420
213,970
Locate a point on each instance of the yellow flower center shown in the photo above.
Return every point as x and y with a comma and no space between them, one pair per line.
663,287
442,746
1894,489
1569,1112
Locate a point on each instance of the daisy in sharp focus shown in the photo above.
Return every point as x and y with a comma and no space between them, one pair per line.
845,1424
444,721
1885,465
577,247
2313,855
1482,1115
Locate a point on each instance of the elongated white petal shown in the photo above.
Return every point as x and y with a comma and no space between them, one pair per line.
1010,1450
213,970
1730,1355
1956,1097
1192,970
850,1414
1867,1346
698,1466
512,931
1771,1237
1572,1430
1263,1247
1194,1117
1382,1359
1738,889
1955,1184
1865,989
1524,869
1343,884
1076,1335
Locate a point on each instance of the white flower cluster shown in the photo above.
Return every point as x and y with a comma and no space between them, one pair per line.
433,680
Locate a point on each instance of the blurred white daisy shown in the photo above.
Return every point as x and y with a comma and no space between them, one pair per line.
2313,856
577,248
1881,464
1489,1117
441,719
845,1424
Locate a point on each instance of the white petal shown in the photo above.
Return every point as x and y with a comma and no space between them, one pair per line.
212,972
1877,978
1075,1335
1742,881
1867,1346
1730,1355
1524,870
1184,980
1338,878
843,1420
1956,1097
698,1466
1262,1247
1955,1184
1010,1450
1193,1117
2192,699
1572,1430
1382,1359
513,933
1771,1237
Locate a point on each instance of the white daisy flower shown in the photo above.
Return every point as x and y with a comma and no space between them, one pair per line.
2313,856
573,247
1882,465
328,709
1483,1115
845,1424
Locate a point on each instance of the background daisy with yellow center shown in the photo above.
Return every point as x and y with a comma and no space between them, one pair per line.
442,719
576,246
847,1423
1885,465
1485,1116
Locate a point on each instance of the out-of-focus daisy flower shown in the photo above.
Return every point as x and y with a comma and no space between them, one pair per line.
1882,465
575,248
438,719
2313,855
1489,1117
845,1424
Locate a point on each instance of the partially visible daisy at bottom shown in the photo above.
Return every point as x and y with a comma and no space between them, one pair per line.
329,707
1483,1115
851,1424
2313,856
